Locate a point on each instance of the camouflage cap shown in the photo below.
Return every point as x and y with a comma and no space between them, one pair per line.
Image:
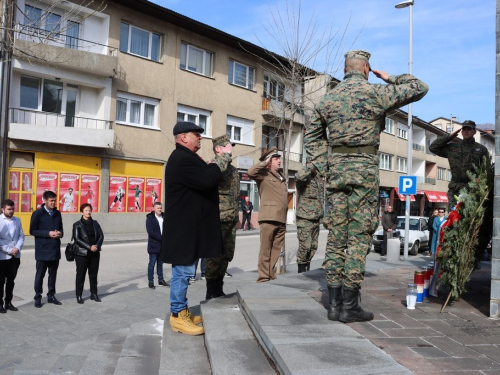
221,141
469,124
357,54
273,151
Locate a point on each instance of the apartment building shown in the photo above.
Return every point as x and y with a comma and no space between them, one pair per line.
95,94
433,172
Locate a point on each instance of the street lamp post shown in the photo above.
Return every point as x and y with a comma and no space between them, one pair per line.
404,4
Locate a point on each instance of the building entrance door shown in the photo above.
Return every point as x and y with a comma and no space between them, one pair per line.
22,193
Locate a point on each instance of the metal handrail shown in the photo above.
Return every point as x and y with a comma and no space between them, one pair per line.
24,116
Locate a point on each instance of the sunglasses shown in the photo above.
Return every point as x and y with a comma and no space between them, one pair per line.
441,212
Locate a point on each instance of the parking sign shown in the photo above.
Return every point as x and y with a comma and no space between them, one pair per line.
408,185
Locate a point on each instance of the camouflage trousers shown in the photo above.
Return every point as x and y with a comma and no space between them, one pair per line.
307,234
217,267
352,216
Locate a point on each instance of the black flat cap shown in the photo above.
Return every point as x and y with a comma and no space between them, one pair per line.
186,127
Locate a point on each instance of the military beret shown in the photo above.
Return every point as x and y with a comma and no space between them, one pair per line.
221,141
186,127
357,54
469,124
273,151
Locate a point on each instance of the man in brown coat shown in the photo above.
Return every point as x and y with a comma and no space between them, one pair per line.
272,213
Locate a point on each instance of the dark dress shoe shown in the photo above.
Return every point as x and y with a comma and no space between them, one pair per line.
151,285
2,310
95,297
79,299
163,282
38,303
53,299
10,306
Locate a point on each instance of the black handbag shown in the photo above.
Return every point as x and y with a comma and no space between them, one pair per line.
70,251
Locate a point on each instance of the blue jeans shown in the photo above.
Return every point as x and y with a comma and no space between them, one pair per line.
202,267
155,258
178,287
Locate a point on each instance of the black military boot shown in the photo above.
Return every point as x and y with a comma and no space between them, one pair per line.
302,267
335,300
351,311
220,284
211,288
308,266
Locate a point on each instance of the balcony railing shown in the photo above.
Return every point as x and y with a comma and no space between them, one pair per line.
279,108
24,116
293,156
430,180
418,147
38,35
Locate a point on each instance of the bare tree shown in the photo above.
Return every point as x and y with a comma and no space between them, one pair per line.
293,82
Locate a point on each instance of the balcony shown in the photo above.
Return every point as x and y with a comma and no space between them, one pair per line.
63,50
49,127
418,147
430,180
281,110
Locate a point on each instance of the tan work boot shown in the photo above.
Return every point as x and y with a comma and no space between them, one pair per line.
195,318
183,324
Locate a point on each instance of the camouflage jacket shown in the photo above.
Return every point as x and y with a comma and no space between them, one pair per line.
462,156
310,195
229,192
354,113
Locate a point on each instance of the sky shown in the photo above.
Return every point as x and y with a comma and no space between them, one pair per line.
453,42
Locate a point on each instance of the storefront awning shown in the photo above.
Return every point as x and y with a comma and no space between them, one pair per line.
436,196
403,197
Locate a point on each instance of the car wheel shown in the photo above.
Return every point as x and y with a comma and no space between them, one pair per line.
415,248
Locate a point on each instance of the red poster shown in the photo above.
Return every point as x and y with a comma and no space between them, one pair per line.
68,197
14,180
25,202
15,197
135,194
90,191
153,192
117,194
45,181
27,181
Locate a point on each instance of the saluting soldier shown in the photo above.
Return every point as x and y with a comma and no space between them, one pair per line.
354,115
309,213
229,191
462,156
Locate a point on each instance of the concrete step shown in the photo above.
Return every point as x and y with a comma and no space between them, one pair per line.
231,345
182,354
294,330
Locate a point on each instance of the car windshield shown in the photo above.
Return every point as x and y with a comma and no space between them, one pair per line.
413,223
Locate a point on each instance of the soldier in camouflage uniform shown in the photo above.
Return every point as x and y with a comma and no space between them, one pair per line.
354,114
229,191
462,156
309,212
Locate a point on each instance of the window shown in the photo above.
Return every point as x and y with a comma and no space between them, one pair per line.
389,126
273,137
136,110
72,33
139,42
239,130
385,161
402,131
273,89
401,164
197,116
448,175
441,173
241,75
196,60
41,22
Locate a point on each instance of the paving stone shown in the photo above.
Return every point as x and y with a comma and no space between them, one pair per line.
138,366
412,332
142,346
452,347
384,324
68,364
399,342
410,360
367,330
466,364
428,352
490,351
289,317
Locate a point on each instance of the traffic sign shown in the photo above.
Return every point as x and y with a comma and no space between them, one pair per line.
408,185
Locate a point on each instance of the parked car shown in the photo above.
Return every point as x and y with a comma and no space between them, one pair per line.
419,234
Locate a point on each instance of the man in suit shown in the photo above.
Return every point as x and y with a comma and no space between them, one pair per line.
154,227
192,218
11,244
247,208
47,228
272,213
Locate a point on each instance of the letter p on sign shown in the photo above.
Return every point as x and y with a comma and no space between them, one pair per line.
408,185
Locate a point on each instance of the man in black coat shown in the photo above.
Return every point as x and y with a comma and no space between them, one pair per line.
154,227
389,223
191,225
47,228
247,208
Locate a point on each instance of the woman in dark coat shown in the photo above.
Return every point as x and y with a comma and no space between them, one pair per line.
88,237
429,227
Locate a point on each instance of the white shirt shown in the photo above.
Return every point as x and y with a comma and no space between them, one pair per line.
160,221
